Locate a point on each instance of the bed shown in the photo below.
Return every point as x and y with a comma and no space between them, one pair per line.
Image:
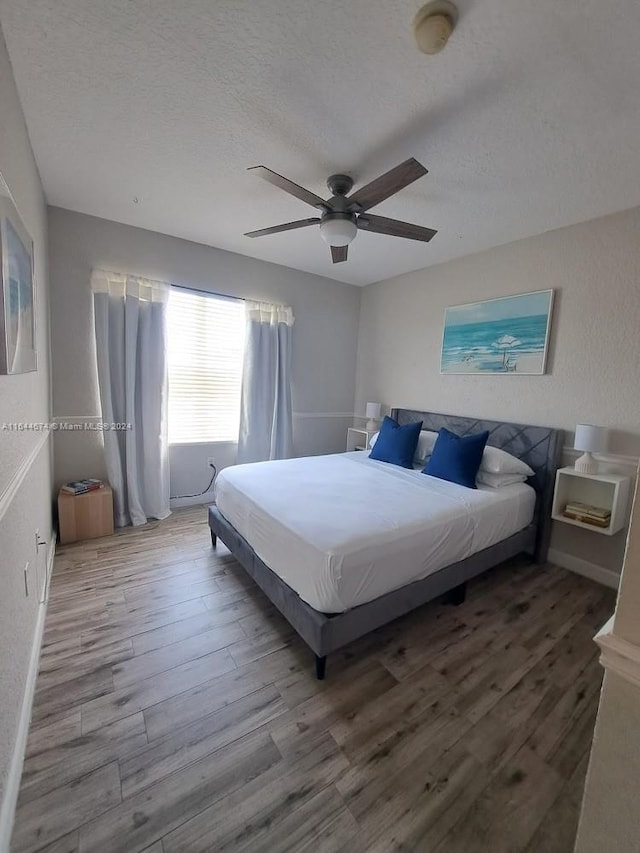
342,544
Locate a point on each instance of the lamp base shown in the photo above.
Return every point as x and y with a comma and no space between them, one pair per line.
586,464
372,426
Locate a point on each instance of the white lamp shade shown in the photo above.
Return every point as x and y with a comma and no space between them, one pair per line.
592,439
338,230
373,410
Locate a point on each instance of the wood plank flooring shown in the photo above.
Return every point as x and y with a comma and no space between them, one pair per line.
176,712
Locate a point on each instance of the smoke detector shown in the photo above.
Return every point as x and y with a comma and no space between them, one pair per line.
433,25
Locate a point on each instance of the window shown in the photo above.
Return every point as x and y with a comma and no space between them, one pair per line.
206,346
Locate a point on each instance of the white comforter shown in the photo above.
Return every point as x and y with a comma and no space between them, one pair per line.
342,530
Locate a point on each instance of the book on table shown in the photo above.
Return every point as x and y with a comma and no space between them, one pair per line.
80,487
587,513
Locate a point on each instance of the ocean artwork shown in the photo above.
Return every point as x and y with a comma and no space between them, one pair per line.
17,317
505,335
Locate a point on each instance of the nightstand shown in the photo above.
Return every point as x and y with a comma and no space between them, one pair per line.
358,439
85,516
606,491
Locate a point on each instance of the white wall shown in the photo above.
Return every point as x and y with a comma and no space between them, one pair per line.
25,460
594,360
609,819
324,335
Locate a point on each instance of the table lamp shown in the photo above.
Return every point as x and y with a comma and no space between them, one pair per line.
373,413
591,439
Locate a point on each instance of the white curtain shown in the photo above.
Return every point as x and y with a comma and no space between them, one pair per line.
131,344
266,430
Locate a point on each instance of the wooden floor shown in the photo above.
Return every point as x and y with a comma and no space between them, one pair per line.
176,712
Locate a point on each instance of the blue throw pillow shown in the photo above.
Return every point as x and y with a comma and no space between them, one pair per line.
457,458
396,444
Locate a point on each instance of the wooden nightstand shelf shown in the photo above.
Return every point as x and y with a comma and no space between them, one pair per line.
86,516
608,491
358,439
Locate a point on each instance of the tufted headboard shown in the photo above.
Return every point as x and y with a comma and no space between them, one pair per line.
540,447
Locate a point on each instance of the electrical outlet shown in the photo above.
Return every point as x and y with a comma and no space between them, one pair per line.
26,580
211,462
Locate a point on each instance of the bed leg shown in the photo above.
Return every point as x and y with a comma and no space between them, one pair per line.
214,539
321,666
456,595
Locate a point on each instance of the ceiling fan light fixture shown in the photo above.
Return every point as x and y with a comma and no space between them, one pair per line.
338,229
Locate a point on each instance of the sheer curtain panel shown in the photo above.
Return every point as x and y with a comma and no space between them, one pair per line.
266,430
131,345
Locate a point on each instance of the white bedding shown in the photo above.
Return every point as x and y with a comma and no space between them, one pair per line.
342,530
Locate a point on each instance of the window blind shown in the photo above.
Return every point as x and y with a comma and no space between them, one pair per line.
205,349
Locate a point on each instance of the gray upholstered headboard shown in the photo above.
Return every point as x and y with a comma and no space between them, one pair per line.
540,447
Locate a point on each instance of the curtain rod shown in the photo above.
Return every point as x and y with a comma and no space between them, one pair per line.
208,292
170,283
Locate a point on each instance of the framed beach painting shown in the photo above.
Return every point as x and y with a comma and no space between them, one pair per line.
17,309
505,335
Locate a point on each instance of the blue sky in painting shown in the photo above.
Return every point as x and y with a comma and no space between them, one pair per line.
525,305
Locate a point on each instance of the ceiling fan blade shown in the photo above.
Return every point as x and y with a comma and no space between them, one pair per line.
289,186
288,226
339,254
388,184
394,228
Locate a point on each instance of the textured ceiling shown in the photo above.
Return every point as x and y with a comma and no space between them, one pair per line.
528,121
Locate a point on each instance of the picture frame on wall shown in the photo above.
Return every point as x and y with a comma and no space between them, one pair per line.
17,291
507,335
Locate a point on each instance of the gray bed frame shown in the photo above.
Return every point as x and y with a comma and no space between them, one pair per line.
540,447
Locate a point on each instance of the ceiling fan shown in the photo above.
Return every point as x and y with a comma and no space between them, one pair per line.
343,215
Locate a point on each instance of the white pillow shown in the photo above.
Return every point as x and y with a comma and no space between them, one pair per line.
496,481
496,461
424,448
426,441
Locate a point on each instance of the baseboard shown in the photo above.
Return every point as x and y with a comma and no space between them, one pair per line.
207,498
584,567
10,800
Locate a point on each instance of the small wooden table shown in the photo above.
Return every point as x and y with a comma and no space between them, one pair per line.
85,516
